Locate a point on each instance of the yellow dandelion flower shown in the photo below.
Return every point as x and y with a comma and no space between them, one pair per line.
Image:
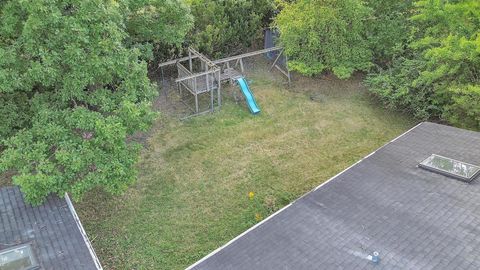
258,217
251,194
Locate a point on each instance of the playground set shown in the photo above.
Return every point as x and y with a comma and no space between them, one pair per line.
198,75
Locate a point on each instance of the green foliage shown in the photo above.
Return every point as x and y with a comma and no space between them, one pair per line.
227,26
388,28
14,113
393,87
449,41
325,35
159,21
464,110
71,92
154,26
439,72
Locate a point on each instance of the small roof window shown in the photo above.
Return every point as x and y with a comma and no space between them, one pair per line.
18,258
450,167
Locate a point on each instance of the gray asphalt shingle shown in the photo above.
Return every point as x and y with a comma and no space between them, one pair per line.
414,218
50,228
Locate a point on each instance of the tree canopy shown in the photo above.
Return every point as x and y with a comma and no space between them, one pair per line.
438,74
325,35
423,56
226,27
72,91
156,27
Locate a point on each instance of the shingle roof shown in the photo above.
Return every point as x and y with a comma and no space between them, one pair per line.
51,228
415,219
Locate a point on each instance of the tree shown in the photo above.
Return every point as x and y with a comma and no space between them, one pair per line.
157,26
438,74
225,27
320,35
159,21
72,92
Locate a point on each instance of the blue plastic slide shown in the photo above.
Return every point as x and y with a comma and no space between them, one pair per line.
252,104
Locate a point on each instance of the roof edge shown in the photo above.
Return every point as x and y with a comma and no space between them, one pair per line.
288,205
83,233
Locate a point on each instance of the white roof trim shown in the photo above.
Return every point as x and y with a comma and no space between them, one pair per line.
285,207
83,233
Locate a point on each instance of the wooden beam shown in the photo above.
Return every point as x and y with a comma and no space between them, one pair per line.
219,90
196,103
288,70
211,91
195,114
174,61
195,84
223,60
190,61
196,75
282,71
231,58
276,59
241,65
202,57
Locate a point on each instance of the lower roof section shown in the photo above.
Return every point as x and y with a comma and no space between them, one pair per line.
414,218
52,230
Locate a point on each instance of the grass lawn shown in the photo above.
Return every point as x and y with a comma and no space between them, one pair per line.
195,176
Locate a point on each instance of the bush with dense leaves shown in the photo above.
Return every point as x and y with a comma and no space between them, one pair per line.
438,75
464,109
227,27
325,35
156,27
388,28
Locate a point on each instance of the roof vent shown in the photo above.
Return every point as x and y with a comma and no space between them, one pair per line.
450,167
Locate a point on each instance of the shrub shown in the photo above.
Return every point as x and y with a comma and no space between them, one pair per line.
228,26
464,108
325,35
156,26
388,28
438,72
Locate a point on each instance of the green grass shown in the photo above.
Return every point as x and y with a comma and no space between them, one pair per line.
194,177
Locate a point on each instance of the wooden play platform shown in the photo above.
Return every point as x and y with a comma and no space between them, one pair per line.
197,74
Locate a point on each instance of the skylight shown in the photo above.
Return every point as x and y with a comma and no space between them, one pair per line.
18,258
450,167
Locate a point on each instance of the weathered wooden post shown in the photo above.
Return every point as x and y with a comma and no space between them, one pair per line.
219,88
190,60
